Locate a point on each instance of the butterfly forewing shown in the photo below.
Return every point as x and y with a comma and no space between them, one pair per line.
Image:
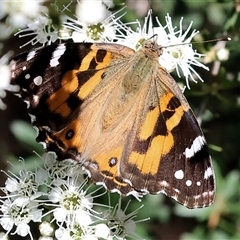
121,115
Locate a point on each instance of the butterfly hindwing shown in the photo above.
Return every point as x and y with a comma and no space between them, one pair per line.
169,151
121,115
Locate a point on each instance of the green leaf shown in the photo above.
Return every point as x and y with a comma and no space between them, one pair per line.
26,134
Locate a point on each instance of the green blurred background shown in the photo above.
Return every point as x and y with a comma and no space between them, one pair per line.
216,103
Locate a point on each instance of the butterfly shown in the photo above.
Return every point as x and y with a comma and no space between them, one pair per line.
121,115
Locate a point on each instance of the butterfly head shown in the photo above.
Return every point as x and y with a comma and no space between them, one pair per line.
152,46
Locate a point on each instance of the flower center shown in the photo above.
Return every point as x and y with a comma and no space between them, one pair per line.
95,31
72,202
116,227
177,53
19,214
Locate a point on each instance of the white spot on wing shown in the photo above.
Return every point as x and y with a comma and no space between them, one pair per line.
37,131
27,102
196,147
38,80
198,183
205,194
127,181
211,193
208,173
143,191
31,55
36,99
27,76
176,190
136,194
175,198
179,174
162,191
164,183
188,183
24,68
44,145
88,172
197,197
46,128
32,117
57,54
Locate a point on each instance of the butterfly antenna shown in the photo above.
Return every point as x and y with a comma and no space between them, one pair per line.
151,19
155,35
225,39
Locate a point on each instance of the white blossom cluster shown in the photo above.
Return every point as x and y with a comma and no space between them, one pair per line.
58,193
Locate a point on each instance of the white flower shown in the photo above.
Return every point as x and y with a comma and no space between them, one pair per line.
92,12
63,234
62,169
91,26
136,39
20,206
19,13
56,169
22,188
5,74
5,82
71,202
19,216
76,232
42,30
46,229
177,53
49,159
121,224
102,231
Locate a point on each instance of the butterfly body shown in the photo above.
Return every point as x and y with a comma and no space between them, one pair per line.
121,115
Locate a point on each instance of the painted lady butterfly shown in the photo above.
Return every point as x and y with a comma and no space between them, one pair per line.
121,115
